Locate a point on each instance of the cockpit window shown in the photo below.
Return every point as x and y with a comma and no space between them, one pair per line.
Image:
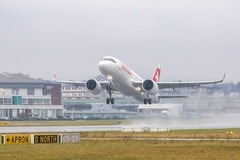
109,59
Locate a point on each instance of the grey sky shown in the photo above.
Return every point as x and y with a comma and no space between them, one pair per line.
190,39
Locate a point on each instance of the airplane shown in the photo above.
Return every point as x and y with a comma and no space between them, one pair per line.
123,79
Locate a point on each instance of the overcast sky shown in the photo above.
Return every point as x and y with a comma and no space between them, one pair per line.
190,39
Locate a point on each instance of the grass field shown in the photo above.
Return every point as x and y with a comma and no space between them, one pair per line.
127,148
195,133
124,149
122,146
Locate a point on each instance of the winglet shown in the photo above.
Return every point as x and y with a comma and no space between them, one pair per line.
222,78
156,76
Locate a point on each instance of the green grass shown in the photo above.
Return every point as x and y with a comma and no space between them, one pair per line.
127,148
198,133
124,149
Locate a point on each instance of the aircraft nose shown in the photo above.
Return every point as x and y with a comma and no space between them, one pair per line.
103,67
106,67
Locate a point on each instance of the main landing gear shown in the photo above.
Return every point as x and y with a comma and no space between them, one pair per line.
110,92
147,100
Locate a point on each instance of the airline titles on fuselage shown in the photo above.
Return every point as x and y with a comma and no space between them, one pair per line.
126,69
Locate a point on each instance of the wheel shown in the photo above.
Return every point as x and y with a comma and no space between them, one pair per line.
145,101
112,101
149,101
107,100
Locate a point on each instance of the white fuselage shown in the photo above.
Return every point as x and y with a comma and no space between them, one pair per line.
122,78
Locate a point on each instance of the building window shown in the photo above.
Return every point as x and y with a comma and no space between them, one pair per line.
15,91
226,95
30,91
1,101
210,95
39,101
74,88
67,88
47,101
31,101
24,101
7,101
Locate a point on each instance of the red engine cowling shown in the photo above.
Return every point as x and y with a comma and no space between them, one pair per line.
150,87
94,86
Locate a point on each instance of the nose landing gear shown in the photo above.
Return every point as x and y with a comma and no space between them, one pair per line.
110,92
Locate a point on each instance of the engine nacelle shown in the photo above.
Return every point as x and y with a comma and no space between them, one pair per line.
150,87
93,86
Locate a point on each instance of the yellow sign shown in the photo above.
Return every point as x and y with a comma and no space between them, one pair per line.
17,139
45,138
4,123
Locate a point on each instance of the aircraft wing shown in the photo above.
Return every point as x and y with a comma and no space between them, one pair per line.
174,85
82,83
76,83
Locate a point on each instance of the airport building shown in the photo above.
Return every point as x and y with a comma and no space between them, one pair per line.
199,102
80,97
24,97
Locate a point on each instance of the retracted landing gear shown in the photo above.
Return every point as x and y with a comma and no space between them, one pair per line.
110,92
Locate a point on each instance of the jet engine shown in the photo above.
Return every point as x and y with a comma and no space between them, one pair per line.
150,87
93,86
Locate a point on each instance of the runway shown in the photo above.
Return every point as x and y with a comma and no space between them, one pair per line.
35,129
32,129
220,122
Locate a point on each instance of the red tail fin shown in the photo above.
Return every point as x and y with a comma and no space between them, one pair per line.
156,76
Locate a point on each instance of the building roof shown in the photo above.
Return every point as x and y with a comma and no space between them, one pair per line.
17,78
